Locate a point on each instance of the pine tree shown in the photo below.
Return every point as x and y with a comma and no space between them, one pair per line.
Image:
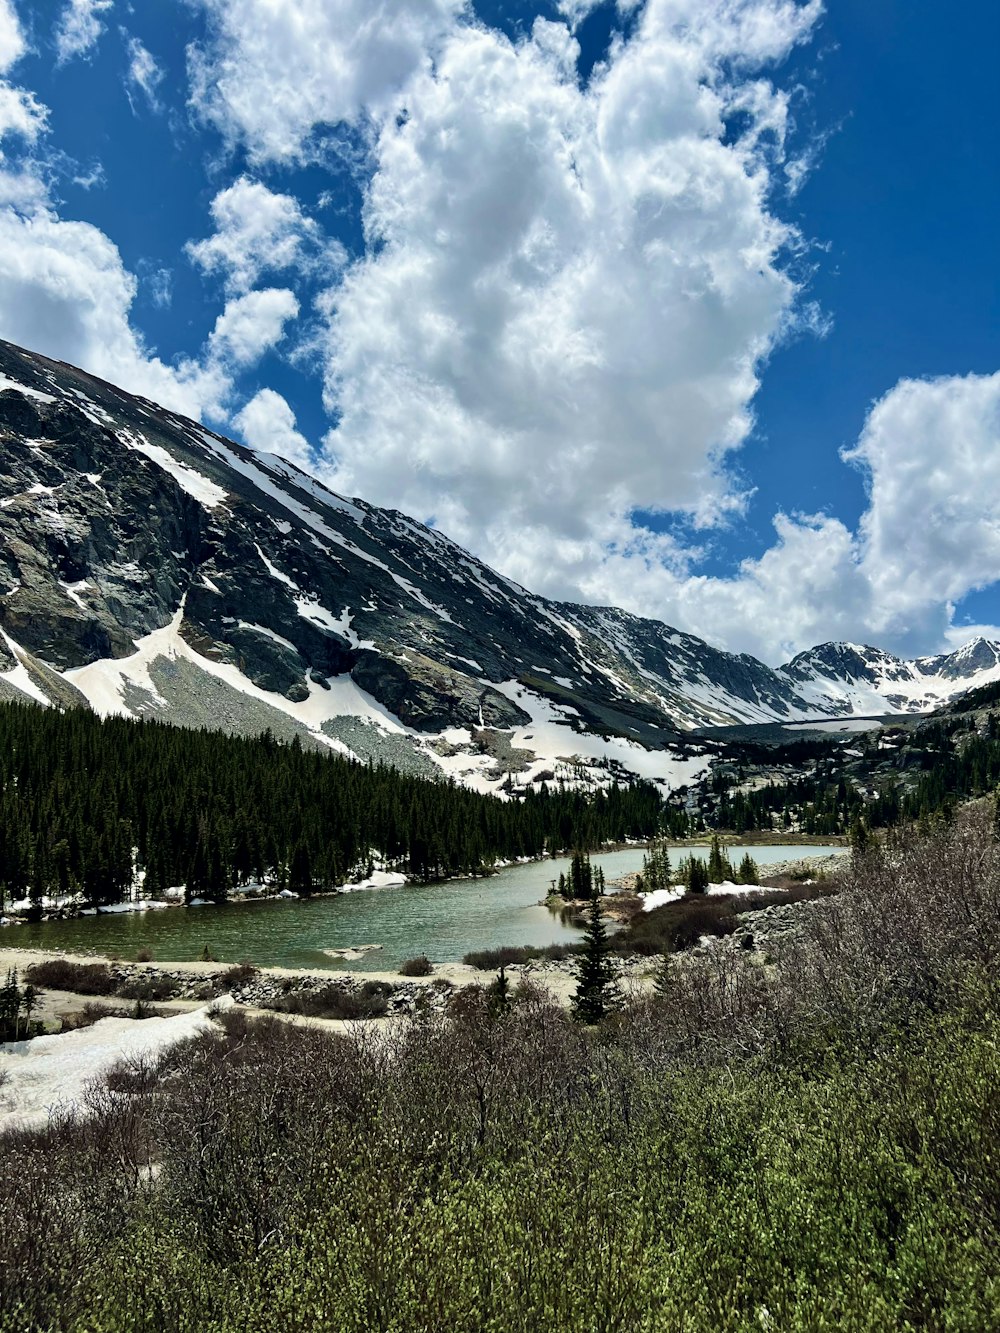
595,978
300,872
696,875
860,837
656,869
581,876
719,867
499,993
748,873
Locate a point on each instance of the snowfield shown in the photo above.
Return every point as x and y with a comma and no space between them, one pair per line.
50,1075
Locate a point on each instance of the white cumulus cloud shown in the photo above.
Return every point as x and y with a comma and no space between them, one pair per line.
271,73
20,112
64,291
252,324
267,424
256,231
930,535
569,293
11,36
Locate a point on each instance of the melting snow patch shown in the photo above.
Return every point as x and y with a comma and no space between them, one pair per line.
203,490
51,1074
73,590
274,571
341,624
268,634
18,676
381,879
454,657
658,897
23,389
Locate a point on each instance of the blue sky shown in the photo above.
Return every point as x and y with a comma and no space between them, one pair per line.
683,305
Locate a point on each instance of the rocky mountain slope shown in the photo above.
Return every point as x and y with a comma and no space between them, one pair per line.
149,566
861,680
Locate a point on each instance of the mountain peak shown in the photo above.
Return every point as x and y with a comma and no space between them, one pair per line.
152,567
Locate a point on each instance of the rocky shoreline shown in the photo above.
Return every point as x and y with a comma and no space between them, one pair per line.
315,995
357,995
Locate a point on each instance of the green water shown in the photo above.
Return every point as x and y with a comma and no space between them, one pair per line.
443,921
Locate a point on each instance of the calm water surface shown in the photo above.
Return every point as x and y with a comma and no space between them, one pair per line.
443,921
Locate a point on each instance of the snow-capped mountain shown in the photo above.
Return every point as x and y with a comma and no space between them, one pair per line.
862,680
149,566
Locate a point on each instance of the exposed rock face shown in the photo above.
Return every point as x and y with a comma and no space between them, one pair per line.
140,554
431,697
869,680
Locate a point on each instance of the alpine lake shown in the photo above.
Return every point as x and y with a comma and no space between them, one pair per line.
443,921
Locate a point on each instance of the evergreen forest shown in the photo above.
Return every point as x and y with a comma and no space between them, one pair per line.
925,772
89,804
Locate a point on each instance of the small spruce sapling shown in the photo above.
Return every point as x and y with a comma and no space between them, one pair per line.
499,994
595,979
748,872
696,875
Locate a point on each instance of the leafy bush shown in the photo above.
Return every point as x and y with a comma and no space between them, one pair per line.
333,1001
420,966
147,986
80,978
677,925
240,974
489,960
89,1014
680,925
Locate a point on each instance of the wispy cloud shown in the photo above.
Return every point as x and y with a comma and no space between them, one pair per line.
144,75
79,28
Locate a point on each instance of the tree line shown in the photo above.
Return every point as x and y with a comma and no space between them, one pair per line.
91,805
932,768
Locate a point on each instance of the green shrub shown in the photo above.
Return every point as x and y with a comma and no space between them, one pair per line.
147,986
489,960
80,978
333,1001
420,966
240,974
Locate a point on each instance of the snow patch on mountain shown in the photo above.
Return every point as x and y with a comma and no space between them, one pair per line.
862,680
558,744
204,491
24,390
18,675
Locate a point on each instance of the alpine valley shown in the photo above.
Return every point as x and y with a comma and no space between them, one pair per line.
151,567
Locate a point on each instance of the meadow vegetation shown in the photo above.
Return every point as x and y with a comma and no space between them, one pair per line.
800,1145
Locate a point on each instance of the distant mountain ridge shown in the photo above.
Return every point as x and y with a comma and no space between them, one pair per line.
870,680
149,566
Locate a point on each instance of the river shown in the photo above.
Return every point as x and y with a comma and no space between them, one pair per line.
443,921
